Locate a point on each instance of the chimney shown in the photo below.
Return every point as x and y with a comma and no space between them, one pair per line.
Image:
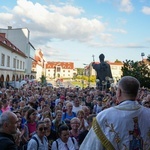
9,27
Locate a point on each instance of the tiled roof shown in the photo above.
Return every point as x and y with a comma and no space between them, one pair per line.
64,65
115,63
6,43
37,58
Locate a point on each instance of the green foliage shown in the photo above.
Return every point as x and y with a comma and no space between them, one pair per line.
79,71
93,78
138,70
43,79
86,78
117,61
148,58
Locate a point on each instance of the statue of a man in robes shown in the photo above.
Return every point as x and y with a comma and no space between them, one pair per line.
103,72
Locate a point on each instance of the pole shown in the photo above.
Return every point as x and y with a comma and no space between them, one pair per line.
93,58
89,78
15,71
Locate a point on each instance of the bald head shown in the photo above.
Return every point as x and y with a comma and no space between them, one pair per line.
129,86
8,122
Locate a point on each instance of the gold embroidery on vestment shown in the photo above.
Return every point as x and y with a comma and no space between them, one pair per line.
105,142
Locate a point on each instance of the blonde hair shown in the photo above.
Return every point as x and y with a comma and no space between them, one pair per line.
80,112
59,111
75,119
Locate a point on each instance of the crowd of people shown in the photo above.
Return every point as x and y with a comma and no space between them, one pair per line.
37,117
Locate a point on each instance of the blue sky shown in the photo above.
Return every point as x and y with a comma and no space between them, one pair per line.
74,30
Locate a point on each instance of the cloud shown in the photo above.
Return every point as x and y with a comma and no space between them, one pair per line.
126,6
118,31
51,21
118,46
67,10
122,5
146,10
61,22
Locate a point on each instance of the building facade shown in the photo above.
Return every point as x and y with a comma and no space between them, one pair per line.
65,70
16,55
12,62
20,37
39,64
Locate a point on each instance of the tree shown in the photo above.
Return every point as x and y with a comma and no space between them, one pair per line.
137,69
148,58
43,80
80,71
117,61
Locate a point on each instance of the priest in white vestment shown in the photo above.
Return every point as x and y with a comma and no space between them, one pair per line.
122,127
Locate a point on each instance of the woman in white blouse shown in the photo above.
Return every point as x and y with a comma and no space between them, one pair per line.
64,142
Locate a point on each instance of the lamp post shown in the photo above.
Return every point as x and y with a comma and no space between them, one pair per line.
88,74
93,58
15,71
142,55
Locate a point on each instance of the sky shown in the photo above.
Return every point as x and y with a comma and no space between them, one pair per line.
77,30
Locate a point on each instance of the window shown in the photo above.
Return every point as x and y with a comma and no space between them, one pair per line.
58,69
8,61
17,64
68,70
63,70
23,65
2,60
14,63
48,70
20,64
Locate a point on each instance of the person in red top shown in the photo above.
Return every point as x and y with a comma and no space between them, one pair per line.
31,121
5,106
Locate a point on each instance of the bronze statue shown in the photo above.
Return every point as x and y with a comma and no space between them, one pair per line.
103,73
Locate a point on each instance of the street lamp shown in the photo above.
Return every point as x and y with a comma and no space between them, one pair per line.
93,58
83,73
15,71
88,74
142,55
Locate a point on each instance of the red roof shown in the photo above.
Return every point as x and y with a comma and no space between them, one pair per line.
6,43
64,65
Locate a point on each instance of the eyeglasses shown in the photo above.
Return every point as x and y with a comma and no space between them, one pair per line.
41,129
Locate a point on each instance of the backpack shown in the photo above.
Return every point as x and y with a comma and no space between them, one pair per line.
71,139
26,145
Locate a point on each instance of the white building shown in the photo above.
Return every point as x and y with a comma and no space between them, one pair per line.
39,64
116,70
20,37
63,70
19,51
12,62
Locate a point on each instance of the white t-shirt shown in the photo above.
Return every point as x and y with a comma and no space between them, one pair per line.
32,145
76,109
71,143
